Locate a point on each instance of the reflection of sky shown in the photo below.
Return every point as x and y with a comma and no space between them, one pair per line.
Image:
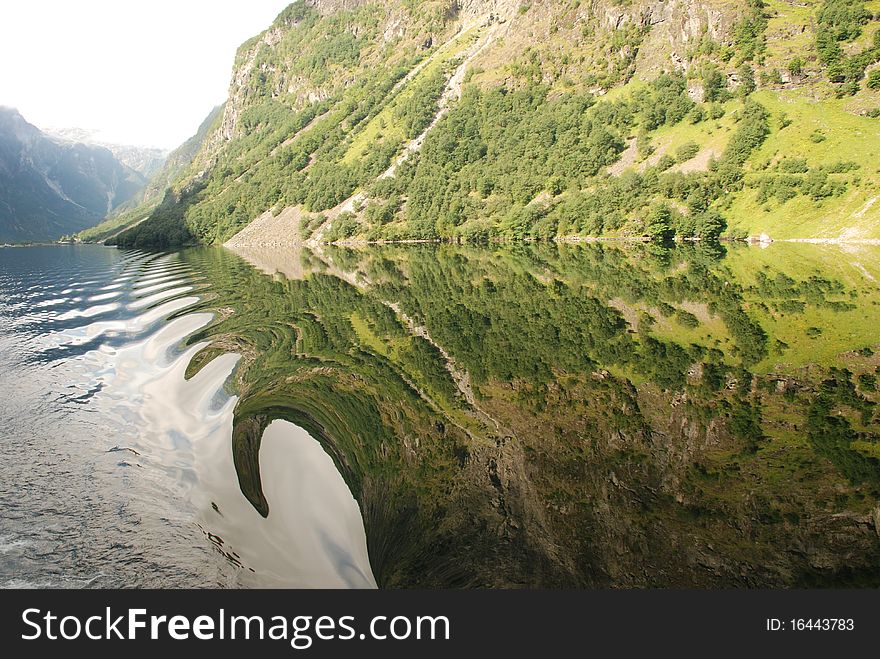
312,511
313,536
100,389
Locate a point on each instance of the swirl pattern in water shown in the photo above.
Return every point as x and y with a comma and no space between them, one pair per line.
117,470
440,416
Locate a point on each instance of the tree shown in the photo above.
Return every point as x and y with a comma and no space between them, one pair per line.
710,225
555,185
659,227
746,79
714,85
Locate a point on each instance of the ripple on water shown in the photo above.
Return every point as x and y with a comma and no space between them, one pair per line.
114,466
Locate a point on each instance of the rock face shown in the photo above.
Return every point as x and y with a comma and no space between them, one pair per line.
144,160
681,20
332,6
673,26
50,189
676,25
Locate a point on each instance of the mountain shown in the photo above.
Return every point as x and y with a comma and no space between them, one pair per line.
50,189
143,159
176,166
498,119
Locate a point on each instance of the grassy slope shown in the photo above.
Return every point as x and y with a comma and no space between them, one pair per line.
842,331
711,135
848,138
386,125
116,223
810,105
788,29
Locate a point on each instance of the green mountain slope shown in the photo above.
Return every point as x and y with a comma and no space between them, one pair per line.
481,120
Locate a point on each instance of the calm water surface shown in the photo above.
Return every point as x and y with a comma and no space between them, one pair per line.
574,416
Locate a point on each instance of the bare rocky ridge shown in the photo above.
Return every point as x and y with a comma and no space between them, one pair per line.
269,230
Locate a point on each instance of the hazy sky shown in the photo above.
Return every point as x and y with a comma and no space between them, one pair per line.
143,73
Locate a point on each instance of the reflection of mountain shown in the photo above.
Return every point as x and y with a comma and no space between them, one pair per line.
574,415
271,261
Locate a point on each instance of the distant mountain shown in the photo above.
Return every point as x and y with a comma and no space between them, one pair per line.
143,159
49,189
179,164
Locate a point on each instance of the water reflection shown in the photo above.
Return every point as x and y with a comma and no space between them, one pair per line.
573,415
441,416
118,469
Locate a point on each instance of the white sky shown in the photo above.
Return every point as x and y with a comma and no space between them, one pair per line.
144,73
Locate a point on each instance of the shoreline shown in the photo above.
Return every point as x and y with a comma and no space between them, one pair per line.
231,243
751,241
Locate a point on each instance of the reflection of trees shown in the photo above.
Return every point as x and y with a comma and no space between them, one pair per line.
616,436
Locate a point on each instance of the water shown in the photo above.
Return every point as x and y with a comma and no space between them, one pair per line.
426,416
117,471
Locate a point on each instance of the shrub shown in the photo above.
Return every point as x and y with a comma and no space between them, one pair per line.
784,120
686,319
659,225
714,85
716,111
643,144
687,151
746,75
794,165
344,226
666,162
696,115
710,225
308,224
751,132
842,167
475,231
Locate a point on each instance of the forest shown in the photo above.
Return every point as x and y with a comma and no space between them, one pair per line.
534,154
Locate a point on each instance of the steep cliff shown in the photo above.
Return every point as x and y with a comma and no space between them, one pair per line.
476,120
